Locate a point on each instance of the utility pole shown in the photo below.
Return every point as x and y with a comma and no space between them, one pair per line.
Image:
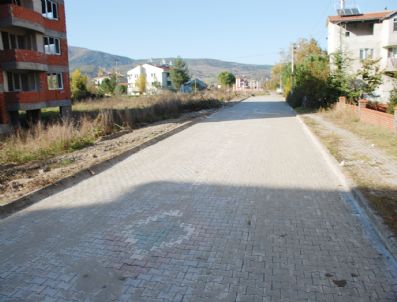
293,58
117,63
292,67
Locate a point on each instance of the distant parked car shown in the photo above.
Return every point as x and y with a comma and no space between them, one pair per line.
279,90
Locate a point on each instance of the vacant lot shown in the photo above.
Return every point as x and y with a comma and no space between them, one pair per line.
93,119
98,131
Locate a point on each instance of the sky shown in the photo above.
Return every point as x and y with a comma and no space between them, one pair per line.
245,31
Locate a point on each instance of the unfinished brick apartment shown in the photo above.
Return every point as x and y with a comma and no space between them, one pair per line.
34,68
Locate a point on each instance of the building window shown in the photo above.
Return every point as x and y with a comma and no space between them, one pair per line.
347,34
11,41
55,81
15,2
18,81
395,24
366,53
49,9
14,81
52,46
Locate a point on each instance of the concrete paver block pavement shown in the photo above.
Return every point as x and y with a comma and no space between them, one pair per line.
240,207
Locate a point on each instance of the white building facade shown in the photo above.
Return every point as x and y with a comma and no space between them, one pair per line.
363,36
244,84
157,78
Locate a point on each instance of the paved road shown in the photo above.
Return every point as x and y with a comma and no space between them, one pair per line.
241,207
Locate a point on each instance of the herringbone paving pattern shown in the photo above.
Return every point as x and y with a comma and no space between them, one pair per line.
241,207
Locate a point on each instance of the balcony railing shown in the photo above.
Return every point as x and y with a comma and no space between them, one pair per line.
23,59
14,15
23,96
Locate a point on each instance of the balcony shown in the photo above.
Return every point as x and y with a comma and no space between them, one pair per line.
23,59
391,65
24,100
32,100
14,15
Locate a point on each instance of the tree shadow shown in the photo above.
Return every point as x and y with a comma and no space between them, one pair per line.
204,242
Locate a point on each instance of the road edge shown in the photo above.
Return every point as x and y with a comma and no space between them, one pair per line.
356,200
69,181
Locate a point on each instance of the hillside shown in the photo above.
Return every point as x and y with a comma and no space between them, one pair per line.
89,62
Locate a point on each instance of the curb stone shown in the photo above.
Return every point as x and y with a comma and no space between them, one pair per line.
357,201
69,181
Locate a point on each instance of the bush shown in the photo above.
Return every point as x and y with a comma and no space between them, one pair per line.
392,102
295,98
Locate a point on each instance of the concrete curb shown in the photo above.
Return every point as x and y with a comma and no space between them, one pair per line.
378,232
64,183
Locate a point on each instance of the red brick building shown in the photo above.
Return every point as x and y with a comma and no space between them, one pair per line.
34,68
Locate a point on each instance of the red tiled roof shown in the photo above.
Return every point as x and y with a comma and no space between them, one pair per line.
363,17
165,68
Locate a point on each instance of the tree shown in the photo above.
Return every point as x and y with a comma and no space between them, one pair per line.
340,83
226,79
108,85
140,83
78,83
308,85
121,89
179,73
275,79
392,101
370,76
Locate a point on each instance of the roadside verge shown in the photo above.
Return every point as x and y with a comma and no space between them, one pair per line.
379,233
154,135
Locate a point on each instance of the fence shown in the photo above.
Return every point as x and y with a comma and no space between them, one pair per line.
370,116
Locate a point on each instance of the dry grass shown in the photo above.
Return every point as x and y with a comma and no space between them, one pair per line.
42,142
382,197
164,100
95,118
330,140
382,138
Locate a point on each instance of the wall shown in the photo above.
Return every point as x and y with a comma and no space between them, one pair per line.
389,36
370,116
38,99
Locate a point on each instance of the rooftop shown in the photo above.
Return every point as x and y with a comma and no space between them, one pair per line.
363,17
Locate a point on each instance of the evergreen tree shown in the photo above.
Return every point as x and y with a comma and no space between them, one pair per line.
179,73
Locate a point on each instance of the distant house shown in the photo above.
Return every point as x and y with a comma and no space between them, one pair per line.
98,80
193,86
157,78
243,84
362,36
107,75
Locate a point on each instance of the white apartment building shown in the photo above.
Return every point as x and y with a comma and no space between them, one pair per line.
362,36
243,84
157,77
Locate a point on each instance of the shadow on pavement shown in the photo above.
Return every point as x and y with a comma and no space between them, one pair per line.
194,242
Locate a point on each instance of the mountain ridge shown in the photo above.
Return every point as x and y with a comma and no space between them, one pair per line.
90,61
